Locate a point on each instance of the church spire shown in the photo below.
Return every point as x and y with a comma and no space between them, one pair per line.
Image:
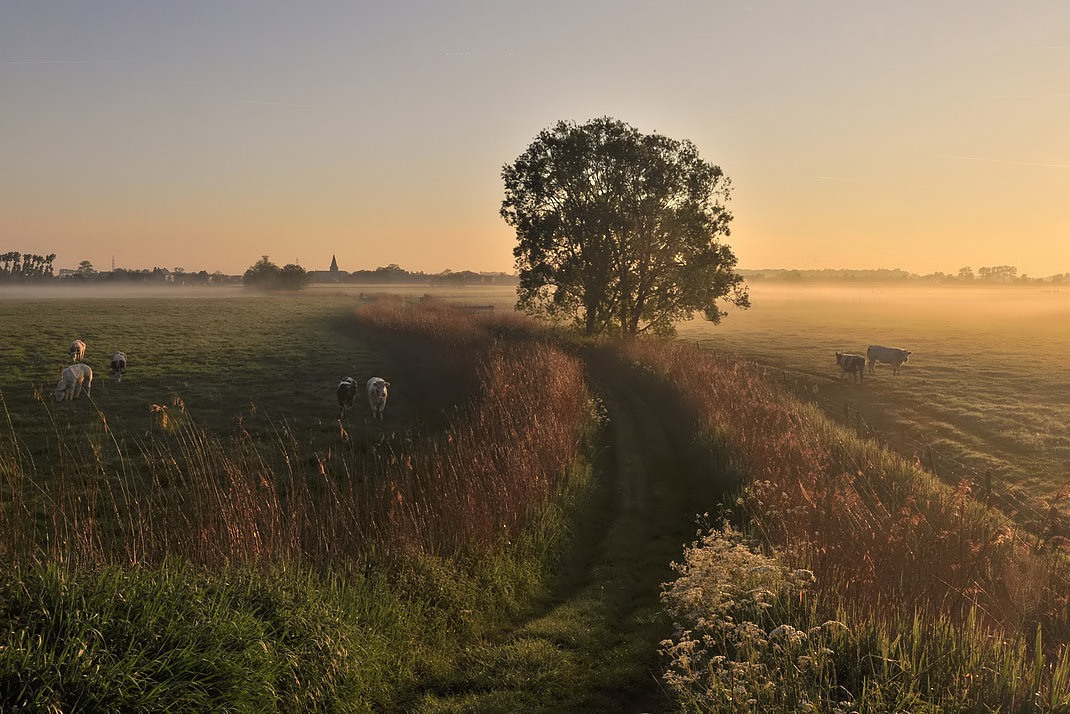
334,264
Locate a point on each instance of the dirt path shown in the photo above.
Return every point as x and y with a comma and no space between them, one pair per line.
594,647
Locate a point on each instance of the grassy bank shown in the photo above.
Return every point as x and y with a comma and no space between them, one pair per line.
185,569
944,602
174,637
983,397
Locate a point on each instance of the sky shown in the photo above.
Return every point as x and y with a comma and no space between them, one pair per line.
919,135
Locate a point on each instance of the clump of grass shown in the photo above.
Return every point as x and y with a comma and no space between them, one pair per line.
750,636
502,456
428,318
117,639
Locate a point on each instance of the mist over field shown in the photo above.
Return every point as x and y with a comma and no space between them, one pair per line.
945,328
80,291
984,396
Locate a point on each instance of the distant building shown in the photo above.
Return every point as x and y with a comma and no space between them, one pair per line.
331,275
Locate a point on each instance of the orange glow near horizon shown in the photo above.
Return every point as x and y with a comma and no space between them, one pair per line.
912,137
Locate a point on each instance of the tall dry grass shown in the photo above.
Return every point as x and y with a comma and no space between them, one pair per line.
876,529
179,491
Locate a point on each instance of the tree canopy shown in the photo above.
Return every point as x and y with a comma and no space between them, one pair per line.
619,232
265,275
25,266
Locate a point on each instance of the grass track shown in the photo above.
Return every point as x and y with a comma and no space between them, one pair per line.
593,646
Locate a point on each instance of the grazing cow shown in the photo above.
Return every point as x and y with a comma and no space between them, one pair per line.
377,396
72,380
77,351
889,355
851,364
347,392
118,366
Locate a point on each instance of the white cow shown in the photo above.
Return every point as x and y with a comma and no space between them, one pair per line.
851,364
889,355
72,380
347,392
77,351
118,366
377,396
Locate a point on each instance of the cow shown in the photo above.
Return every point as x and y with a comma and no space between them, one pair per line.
118,366
347,392
851,363
76,351
889,355
72,380
377,396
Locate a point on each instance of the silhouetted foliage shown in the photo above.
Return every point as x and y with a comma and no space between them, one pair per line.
265,275
998,273
618,231
25,267
394,274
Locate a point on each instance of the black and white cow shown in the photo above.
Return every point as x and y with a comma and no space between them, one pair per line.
76,351
377,394
851,364
118,366
889,355
72,380
347,392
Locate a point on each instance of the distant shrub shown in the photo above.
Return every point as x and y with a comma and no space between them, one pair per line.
265,275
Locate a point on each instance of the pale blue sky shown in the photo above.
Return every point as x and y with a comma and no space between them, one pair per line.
920,135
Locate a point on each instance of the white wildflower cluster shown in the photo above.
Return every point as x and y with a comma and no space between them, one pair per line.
735,648
598,407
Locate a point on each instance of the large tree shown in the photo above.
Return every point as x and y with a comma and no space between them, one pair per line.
620,232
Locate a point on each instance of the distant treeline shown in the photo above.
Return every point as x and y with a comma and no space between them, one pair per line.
25,267
30,268
18,267
395,274
998,274
161,276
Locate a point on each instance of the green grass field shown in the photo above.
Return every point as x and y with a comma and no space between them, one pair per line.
489,545
985,395
986,392
258,361
221,356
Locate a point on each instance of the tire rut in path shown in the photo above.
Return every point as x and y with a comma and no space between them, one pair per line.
594,648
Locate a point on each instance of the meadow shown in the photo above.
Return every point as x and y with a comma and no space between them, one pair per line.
227,373
984,397
229,356
208,534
